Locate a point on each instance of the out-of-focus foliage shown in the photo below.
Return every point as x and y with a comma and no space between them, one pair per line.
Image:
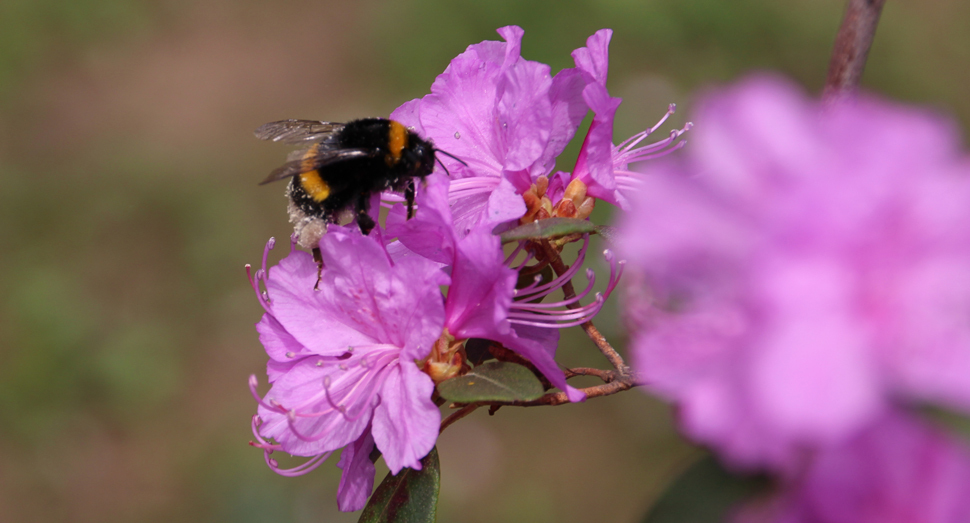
129,204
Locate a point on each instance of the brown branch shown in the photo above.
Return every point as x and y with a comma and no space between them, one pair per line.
594,334
605,375
852,48
455,416
620,382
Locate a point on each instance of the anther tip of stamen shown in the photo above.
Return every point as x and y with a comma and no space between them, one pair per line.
688,126
589,273
672,108
253,380
271,243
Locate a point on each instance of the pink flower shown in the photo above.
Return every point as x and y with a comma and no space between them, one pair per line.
482,301
602,166
897,470
342,359
805,270
508,119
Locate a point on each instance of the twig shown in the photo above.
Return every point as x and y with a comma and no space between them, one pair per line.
606,375
620,383
851,48
455,416
594,334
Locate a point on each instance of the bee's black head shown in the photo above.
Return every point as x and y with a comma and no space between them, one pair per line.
420,156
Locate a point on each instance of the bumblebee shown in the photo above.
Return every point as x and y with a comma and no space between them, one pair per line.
343,166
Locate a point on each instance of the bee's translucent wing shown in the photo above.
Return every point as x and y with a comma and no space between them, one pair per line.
320,158
299,131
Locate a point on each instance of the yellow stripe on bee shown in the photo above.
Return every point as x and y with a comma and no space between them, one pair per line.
310,178
397,140
314,185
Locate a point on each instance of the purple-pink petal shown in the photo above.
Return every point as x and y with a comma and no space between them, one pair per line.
319,426
357,480
406,421
594,59
594,166
481,290
299,311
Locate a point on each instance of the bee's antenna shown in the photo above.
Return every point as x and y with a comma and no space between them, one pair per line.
443,166
453,157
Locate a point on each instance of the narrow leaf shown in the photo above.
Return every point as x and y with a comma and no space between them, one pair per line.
409,497
704,493
492,381
548,228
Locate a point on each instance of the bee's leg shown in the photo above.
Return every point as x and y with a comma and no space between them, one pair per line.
317,257
409,197
364,221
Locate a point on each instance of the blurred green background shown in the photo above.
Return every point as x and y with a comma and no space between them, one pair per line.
129,204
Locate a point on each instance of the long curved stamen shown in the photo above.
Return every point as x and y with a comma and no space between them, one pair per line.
632,141
254,283
358,380
269,406
269,448
511,257
528,305
261,274
616,270
298,470
628,154
262,443
533,292
584,314
528,257
382,368
551,315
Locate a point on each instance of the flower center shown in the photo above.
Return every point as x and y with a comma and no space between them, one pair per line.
573,204
447,358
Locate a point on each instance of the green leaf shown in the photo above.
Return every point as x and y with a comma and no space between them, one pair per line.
409,497
492,381
704,493
548,228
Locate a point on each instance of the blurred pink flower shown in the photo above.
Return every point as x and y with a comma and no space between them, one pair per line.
804,269
899,469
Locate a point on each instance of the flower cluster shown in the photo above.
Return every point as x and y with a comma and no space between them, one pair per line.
804,280
359,339
508,119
